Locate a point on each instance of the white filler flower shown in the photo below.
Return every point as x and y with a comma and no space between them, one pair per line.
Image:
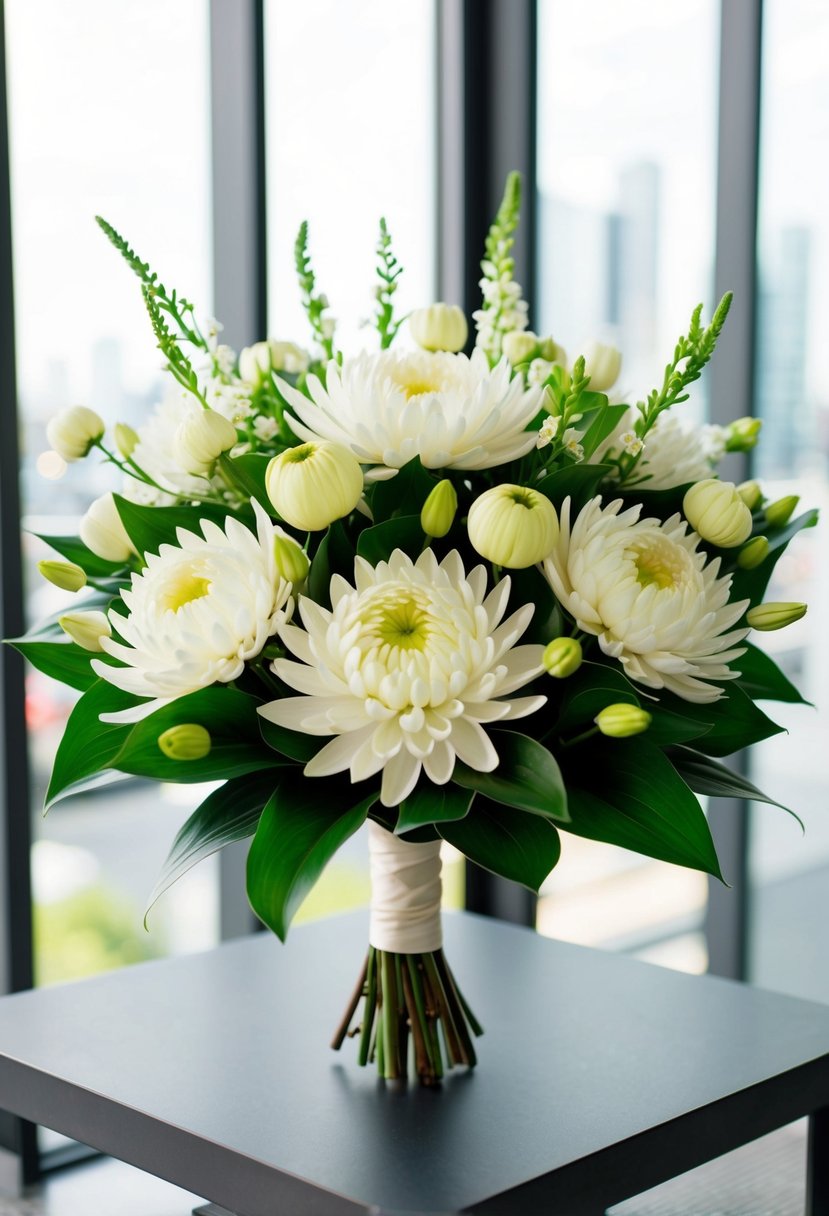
654,603
451,411
404,669
197,612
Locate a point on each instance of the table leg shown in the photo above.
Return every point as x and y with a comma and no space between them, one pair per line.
817,1164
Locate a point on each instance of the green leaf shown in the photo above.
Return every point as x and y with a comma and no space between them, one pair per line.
626,792
527,777
291,743
301,828
150,527
64,661
249,472
602,425
236,745
334,555
528,586
733,722
751,584
74,550
230,813
706,776
88,745
378,543
510,843
430,803
761,679
578,481
403,494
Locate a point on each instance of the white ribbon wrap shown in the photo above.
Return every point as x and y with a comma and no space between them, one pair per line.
405,893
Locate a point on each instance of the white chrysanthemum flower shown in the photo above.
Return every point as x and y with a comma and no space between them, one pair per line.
404,670
675,454
642,588
155,453
451,411
197,612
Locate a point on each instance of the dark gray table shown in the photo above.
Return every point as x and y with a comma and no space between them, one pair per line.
599,1077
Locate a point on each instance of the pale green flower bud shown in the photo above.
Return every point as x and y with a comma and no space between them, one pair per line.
754,553
102,531
65,575
513,526
288,357
201,438
439,327
126,439
771,616
716,511
562,657
602,364
779,513
751,493
620,721
255,362
292,562
86,628
73,432
313,484
439,509
550,350
520,346
742,434
187,741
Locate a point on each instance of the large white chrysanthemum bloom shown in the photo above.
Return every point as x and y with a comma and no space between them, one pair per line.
452,411
197,612
404,669
654,603
675,454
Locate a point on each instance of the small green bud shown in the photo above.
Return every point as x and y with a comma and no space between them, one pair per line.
292,562
126,439
65,575
754,553
779,513
86,629
562,657
619,721
520,346
751,493
742,434
439,327
771,616
187,741
549,350
439,509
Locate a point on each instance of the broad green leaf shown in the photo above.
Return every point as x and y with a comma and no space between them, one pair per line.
404,493
236,744
528,586
527,777
580,482
510,843
378,543
626,792
291,743
74,550
734,720
334,555
64,661
601,426
430,803
761,679
303,824
707,776
751,584
88,745
150,527
230,813
249,471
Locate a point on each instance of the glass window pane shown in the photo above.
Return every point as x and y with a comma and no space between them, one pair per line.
109,115
626,213
789,948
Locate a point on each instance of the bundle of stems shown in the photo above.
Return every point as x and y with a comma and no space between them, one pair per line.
410,998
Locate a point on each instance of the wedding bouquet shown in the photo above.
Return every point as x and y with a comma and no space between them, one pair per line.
468,598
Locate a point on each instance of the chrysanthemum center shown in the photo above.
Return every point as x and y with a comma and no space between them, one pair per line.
185,586
657,565
415,384
401,622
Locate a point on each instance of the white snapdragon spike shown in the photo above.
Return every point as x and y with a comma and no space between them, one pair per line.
197,612
450,410
641,587
404,670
